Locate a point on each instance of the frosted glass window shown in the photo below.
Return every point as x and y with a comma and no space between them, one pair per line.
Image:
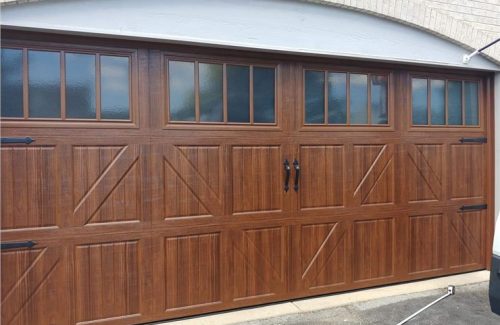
419,101
80,86
238,93
12,83
454,103
437,102
379,100
263,95
44,80
471,103
337,98
359,98
210,79
115,87
315,97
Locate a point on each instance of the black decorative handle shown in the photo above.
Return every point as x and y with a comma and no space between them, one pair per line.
474,140
23,244
475,207
297,174
286,166
26,140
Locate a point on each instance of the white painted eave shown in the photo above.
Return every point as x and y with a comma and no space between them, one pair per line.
262,25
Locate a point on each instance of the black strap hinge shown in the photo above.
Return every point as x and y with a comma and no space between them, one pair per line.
22,244
474,140
474,207
26,140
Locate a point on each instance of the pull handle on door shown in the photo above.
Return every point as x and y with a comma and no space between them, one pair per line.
296,166
286,165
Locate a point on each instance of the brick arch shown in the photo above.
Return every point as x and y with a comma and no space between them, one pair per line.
472,28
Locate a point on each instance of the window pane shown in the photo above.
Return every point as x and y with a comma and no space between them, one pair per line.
80,85
454,103
359,100
44,72
12,83
437,102
210,76
263,95
471,103
337,98
379,100
238,93
115,87
315,97
419,101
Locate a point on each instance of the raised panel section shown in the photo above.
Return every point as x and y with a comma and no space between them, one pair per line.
465,239
29,187
426,243
373,174
192,175
192,270
322,176
373,250
256,179
106,184
467,173
107,281
34,287
259,262
323,251
424,165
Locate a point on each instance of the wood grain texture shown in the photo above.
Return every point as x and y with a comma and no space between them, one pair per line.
426,251
143,220
106,281
322,179
257,184
373,249
29,187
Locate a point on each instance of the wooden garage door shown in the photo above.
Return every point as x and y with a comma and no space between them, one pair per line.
141,183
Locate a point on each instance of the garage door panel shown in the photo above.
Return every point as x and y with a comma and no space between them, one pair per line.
257,184
373,174
426,247
424,176
374,249
189,183
107,280
465,239
34,285
29,187
193,177
323,255
259,262
107,183
467,175
192,271
323,176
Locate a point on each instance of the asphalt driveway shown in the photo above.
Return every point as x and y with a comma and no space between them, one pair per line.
468,306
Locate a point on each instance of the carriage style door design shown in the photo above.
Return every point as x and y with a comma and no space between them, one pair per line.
141,184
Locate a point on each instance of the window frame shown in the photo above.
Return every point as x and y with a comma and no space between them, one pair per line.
480,127
348,70
166,57
63,120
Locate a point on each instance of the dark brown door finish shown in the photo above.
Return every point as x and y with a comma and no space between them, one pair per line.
181,208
